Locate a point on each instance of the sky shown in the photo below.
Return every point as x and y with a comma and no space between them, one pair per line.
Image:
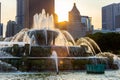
91,8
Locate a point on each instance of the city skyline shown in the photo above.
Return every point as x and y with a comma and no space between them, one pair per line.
87,8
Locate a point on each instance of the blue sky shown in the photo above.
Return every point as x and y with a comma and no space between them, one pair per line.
90,8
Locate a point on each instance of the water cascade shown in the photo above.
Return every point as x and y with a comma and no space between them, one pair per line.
43,21
6,66
45,32
69,37
83,41
111,58
92,46
55,57
116,60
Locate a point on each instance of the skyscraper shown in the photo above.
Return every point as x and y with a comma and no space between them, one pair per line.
0,12
1,29
111,17
117,17
20,12
75,27
1,25
26,9
11,28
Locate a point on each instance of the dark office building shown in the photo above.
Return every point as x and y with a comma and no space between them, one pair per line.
111,17
26,9
1,25
0,12
20,13
1,29
117,21
11,28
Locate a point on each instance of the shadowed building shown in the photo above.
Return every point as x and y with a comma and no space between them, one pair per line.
0,12
11,28
1,29
75,27
1,25
26,9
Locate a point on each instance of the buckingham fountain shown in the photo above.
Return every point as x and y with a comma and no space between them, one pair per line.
44,48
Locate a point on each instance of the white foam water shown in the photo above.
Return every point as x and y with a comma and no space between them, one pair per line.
55,57
76,75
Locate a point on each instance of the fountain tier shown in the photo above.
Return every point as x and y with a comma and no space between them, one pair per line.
42,40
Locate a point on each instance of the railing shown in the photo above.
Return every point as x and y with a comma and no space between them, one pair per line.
11,43
53,58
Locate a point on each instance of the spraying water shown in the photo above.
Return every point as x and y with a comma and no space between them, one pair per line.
83,41
116,60
42,21
55,57
94,44
45,33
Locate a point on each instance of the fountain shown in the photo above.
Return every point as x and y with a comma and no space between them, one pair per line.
44,40
54,56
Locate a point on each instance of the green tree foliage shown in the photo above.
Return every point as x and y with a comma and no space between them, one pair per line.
107,41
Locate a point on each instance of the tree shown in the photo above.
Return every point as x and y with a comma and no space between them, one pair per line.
107,41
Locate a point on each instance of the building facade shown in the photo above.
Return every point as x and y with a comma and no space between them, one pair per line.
1,25
88,23
111,17
0,12
117,17
11,28
1,30
26,9
20,13
75,27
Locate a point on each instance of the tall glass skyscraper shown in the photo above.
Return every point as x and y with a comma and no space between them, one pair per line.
1,25
0,12
111,17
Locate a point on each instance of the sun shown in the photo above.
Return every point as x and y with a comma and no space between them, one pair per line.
62,7
62,17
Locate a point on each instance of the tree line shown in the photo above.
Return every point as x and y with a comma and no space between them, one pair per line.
107,41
